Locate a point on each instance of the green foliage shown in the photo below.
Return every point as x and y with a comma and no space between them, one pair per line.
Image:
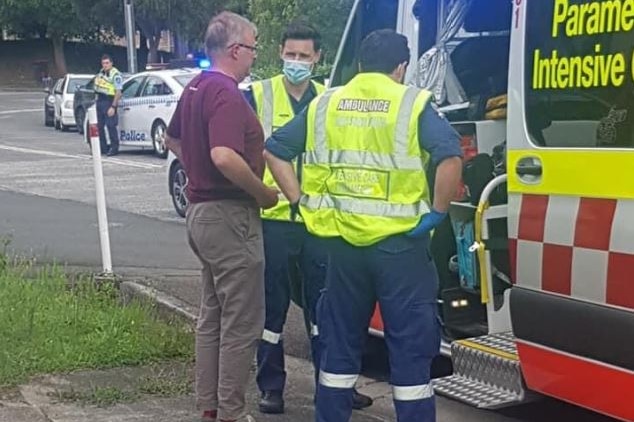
46,326
42,17
188,18
272,17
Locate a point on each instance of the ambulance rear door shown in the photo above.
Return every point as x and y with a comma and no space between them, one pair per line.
571,199
367,16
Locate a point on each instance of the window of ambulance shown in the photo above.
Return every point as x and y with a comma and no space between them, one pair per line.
366,16
579,72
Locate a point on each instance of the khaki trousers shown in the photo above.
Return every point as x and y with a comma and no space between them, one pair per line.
227,238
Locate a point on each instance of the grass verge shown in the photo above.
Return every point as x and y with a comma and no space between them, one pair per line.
48,325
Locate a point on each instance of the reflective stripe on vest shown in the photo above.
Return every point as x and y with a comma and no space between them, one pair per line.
364,172
398,160
274,110
266,105
365,206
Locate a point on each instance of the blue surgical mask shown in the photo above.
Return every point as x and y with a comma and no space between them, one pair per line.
297,72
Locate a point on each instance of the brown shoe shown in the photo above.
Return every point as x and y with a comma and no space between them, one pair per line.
209,416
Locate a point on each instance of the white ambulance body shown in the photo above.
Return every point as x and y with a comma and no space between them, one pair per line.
537,263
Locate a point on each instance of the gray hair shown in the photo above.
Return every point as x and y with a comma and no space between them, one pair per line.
225,29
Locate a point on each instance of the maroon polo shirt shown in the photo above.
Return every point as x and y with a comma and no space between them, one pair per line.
212,112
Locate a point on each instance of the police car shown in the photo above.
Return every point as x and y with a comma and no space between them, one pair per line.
146,107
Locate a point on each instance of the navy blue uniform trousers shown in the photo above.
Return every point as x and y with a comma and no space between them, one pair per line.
288,250
400,274
104,121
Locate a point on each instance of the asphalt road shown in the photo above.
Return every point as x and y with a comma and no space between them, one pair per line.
47,210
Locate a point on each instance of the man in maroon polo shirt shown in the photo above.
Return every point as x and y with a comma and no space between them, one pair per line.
217,137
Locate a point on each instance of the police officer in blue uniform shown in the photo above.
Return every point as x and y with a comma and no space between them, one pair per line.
108,86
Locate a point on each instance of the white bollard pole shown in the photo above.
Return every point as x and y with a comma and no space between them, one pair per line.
102,215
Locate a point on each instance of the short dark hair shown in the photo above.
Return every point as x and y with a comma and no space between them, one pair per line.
301,30
382,51
106,57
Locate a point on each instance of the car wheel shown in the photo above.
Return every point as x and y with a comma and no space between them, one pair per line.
86,134
159,135
80,116
178,183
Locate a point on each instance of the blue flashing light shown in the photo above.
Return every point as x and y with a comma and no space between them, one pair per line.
204,63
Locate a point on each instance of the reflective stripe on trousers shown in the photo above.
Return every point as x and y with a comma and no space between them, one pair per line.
343,381
413,392
271,337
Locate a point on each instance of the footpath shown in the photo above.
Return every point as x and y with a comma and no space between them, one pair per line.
161,392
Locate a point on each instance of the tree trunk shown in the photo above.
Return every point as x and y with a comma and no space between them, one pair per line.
58,55
154,44
180,45
143,50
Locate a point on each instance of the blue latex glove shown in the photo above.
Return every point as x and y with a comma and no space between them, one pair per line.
427,224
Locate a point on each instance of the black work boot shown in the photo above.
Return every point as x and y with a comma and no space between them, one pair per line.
360,401
272,402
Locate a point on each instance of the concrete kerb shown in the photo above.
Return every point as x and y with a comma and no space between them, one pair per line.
168,306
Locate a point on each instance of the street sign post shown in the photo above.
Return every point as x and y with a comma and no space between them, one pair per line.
130,34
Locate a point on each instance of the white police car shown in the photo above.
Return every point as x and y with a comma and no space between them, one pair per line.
146,107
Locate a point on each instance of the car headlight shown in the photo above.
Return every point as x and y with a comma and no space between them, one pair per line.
50,99
68,104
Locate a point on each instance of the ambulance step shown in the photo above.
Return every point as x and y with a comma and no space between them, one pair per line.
486,372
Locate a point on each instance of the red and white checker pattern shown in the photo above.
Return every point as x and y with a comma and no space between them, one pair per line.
579,247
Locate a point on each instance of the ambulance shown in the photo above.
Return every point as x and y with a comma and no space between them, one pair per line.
537,260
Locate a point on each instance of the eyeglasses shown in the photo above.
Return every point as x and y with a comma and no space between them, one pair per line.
253,48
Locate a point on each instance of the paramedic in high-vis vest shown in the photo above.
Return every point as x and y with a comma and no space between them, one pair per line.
364,191
108,86
286,241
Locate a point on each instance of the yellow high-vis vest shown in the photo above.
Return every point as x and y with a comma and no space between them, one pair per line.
274,110
105,84
364,171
